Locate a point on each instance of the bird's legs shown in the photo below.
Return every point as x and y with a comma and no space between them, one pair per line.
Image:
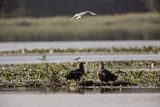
77,82
102,83
111,84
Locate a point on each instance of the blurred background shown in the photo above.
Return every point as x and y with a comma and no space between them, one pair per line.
48,20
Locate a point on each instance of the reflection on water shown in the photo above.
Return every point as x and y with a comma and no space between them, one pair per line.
82,90
80,97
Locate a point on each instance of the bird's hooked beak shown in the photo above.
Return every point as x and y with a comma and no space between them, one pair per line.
101,64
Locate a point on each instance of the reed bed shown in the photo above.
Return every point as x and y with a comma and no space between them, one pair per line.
116,27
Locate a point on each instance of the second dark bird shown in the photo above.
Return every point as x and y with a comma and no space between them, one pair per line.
105,75
76,74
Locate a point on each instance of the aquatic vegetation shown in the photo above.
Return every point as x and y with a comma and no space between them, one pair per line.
148,50
53,74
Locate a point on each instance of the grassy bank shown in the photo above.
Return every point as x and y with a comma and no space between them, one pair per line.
113,50
53,74
127,26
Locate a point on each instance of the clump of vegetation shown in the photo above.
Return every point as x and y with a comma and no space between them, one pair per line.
53,75
149,50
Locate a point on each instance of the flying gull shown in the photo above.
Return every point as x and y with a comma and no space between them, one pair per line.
79,15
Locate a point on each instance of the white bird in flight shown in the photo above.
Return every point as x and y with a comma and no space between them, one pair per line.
79,15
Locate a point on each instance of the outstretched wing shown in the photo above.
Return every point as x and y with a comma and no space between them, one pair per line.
74,16
85,12
91,13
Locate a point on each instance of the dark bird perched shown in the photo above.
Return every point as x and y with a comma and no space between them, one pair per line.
104,74
76,74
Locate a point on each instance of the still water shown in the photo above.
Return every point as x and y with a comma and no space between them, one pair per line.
90,97
76,44
70,58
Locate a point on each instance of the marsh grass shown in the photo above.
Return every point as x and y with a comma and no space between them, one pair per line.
112,50
53,74
127,26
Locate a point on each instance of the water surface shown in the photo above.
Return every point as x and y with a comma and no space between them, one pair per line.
70,58
89,98
76,44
